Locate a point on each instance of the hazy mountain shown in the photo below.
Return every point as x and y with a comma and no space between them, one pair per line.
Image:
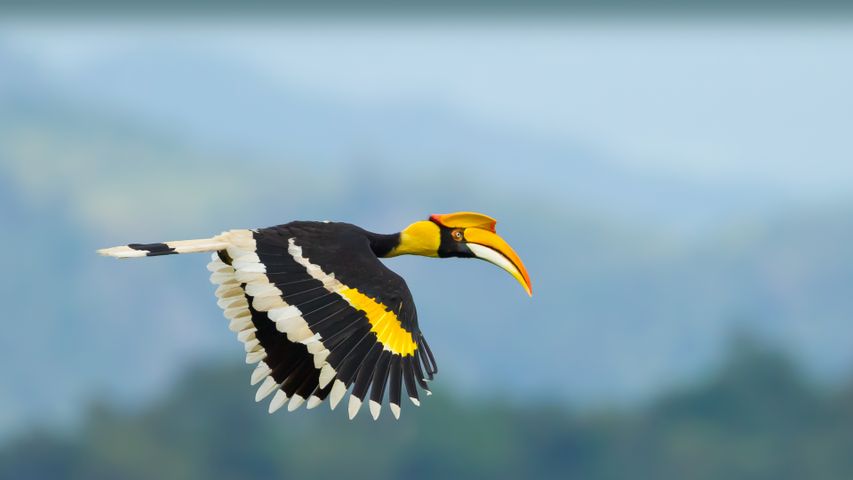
223,103
733,425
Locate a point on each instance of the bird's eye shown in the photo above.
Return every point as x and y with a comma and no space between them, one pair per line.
457,235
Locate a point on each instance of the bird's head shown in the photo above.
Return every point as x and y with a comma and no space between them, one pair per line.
462,234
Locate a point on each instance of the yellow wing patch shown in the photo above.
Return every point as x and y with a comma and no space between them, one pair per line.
383,322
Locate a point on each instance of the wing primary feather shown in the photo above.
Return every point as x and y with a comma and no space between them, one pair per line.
277,401
342,351
349,365
421,353
354,405
380,377
282,353
313,309
338,341
281,267
285,353
303,391
366,371
309,384
300,373
432,368
419,373
308,290
260,373
301,303
293,282
285,370
394,385
340,330
377,389
295,403
318,396
267,252
409,378
313,402
337,393
362,380
265,389
316,324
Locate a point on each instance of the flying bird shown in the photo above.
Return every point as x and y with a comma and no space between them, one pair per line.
321,315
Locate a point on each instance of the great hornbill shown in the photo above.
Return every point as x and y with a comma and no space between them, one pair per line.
319,312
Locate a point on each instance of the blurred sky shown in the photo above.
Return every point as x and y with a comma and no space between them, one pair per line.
667,181
752,102
711,100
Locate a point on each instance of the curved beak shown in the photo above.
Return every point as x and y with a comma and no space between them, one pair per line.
492,248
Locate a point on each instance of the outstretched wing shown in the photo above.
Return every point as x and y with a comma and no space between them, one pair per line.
321,315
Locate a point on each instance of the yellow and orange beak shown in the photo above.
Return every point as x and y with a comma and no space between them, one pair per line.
481,239
488,246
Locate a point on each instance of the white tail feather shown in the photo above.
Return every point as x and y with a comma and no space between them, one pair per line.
122,251
213,244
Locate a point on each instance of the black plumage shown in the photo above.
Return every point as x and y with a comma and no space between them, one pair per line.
320,313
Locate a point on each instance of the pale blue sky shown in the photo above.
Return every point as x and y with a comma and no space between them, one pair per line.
767,104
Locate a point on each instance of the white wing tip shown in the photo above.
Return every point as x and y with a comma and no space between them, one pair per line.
337,393
255,357
395,410
259,373
354,406
313,401
375,408
278,401
295,403
265,389
327,373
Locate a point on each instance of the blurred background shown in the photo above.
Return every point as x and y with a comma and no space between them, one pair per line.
677,180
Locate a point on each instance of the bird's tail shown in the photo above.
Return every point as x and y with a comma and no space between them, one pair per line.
213,244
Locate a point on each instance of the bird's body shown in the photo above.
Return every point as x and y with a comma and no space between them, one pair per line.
320,313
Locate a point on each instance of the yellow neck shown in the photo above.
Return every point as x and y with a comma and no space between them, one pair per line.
420,238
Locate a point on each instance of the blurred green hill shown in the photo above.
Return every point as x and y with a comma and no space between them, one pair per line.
757,417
